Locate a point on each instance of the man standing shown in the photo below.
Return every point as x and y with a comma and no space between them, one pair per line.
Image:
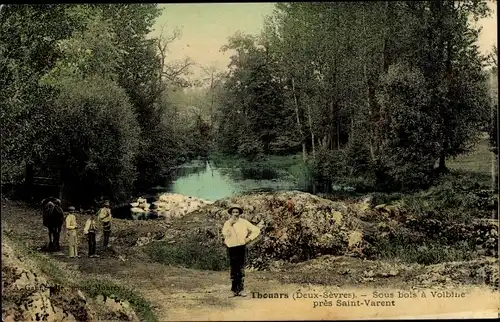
104,215
90,230
71,227
236,235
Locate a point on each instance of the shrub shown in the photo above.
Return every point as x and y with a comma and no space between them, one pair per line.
96,141
407,129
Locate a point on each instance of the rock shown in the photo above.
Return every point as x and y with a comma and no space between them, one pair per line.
368,273
345,271
389,274
99,298
80,294
9,318
337,216
113,305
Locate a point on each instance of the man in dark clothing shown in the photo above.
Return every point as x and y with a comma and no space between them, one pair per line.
104,215
90,230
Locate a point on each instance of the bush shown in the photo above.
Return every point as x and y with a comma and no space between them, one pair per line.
407,128
357,158
457,196
97,138
328,165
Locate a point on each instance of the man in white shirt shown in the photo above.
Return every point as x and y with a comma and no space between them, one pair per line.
237,233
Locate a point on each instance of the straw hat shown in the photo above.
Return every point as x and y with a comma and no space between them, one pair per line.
71,209
235,207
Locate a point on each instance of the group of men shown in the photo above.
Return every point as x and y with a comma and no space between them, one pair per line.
238,233
89,230
100,219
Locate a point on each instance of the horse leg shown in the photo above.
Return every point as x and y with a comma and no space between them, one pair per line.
59,237
51,237
56,238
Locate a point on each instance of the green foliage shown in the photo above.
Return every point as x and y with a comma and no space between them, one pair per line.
414,94
253,114
190,254
458,196
97,137
357,158
29,34
142,307
408,148
88,52
328,165
425,253
81,87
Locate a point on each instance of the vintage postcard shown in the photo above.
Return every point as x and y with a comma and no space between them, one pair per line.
249,161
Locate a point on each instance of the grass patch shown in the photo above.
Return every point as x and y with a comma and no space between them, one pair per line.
477,161
142,307
189,253
425,253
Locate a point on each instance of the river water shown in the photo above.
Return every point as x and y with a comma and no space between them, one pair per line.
203,180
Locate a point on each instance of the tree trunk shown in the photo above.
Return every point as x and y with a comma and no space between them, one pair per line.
299,125
28,182
386,59
338,133
61,191
309,119
442,163
370,116
212,102
367,101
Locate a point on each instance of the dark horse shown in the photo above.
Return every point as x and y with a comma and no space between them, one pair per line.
53,219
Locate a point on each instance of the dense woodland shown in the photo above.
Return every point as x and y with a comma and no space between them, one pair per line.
385,91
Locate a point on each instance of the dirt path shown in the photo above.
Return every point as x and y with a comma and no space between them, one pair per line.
180,294
185,294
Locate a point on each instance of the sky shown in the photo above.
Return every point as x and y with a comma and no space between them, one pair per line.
205,28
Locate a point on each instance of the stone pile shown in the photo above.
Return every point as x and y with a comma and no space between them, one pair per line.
318,226
173,205
315,225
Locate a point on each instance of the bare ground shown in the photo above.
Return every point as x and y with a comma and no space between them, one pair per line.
185,294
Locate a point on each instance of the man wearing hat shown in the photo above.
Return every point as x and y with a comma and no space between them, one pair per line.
71,226
104,215
90,231
237,233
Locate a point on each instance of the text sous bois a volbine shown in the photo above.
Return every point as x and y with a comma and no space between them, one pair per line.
349,295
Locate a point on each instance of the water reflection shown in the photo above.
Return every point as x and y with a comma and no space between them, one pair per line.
203,180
